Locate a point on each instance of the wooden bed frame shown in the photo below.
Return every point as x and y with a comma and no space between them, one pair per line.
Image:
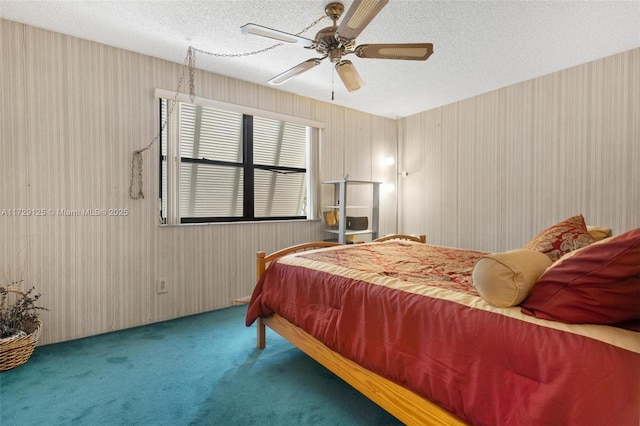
407,406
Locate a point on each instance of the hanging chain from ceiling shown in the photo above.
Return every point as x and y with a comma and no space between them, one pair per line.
238,55
190,67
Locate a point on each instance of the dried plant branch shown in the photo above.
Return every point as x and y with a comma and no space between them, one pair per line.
16,314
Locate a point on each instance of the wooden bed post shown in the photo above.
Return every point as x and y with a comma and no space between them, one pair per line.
260,264
261,337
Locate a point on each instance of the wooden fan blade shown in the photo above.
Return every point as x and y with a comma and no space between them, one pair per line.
358,17
349,75
292,72
281,36
406,51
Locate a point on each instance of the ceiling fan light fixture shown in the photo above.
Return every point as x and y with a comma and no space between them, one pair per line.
292,72
349,75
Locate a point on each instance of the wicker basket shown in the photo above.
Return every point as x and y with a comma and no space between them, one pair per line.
15,352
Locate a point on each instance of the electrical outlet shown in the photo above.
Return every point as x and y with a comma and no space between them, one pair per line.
162,287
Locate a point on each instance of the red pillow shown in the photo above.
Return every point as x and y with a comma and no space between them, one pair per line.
561,238
598,284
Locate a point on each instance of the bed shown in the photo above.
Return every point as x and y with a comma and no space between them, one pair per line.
406,324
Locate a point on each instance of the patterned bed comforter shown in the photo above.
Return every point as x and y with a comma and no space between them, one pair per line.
409,312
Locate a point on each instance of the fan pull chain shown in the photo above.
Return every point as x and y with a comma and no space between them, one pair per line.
255,52
190,67
333,74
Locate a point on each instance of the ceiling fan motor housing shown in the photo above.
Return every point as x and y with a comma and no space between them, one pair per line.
331,44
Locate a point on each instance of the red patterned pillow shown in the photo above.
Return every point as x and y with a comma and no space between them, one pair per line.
559,239
599,284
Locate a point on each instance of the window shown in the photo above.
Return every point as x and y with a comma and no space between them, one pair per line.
222,165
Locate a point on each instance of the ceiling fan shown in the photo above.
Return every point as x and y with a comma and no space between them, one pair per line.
337,41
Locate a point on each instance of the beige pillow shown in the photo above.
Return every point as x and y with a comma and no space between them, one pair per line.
505,279
599,232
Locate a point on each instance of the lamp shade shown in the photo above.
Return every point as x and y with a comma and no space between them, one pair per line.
349,75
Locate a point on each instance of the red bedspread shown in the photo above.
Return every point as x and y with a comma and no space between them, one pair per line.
409,312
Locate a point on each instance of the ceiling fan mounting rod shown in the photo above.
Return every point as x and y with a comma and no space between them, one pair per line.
329,42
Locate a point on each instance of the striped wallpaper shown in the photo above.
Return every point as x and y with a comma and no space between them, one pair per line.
490,172
73,112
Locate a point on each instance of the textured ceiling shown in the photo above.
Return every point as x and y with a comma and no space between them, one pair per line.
479,46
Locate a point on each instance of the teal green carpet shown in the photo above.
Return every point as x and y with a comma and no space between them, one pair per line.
199,370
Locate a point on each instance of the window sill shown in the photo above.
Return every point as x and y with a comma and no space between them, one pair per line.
248,222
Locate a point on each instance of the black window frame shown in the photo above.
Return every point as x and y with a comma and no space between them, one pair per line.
247,165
